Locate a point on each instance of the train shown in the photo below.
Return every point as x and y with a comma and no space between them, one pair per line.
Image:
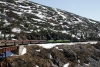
20,42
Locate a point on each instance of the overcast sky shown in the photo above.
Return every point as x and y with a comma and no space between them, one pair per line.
85,8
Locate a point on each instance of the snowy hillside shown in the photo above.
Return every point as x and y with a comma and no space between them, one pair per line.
23,19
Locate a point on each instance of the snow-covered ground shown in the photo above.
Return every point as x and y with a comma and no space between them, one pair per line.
50,45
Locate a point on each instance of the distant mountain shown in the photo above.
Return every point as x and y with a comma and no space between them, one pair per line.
23,19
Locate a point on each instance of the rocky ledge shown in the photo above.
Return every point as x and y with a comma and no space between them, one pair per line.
80,55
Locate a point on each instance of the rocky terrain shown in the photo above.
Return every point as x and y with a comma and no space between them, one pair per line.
23,19
78,55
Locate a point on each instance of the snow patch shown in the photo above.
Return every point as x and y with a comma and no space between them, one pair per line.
64,31
2,2
20,1
59,49
14,39
73,35
53,24
69,23
87,64
40,16
28,11
23,51
66,65
99,34
19,13
50,45
38,50
50,56
37,66
37,19
60,13
17,30
27,7
91,21
28,22
78,61
56,47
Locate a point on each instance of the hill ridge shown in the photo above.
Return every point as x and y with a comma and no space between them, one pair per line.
36,21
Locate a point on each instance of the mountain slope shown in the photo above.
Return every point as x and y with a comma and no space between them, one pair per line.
23,19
